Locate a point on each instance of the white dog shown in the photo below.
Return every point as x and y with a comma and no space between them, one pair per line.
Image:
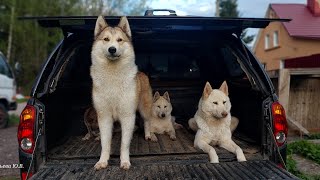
118,88
213,123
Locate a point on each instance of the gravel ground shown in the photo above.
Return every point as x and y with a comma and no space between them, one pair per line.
9,147
9,151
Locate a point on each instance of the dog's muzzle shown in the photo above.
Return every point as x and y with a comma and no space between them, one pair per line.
162,115
112,53
220,116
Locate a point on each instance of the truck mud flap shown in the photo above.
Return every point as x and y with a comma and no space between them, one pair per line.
183,169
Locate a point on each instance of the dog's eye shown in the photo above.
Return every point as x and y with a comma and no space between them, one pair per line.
119,40
106,39
224,102
216,103
158,106
165,106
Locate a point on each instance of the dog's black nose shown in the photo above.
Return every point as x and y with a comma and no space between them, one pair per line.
163,115
112,50
224,114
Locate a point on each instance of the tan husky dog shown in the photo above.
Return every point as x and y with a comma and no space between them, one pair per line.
118,89
213,123
160,120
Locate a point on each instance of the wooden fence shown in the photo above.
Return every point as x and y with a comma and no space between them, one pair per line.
299,93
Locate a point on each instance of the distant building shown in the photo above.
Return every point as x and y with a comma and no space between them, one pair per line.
294,44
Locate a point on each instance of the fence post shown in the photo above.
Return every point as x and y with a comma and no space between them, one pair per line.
284,88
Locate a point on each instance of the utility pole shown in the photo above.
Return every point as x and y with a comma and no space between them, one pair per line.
10,31
217,14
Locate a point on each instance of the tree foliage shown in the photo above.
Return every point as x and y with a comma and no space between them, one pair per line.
31,44
229,8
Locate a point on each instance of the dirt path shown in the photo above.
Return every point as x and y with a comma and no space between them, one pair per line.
8,151
9,147
306,166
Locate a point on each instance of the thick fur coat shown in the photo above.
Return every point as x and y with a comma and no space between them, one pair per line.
212,122
118,89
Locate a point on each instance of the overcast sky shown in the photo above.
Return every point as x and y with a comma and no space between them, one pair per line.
247,8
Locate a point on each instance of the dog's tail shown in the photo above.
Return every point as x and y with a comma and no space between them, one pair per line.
145,96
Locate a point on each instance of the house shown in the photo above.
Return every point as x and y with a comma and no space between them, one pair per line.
294,44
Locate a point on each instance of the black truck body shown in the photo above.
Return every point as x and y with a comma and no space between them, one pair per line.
179,54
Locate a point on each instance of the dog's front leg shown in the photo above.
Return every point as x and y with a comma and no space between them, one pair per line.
231,146
105,126
147,133
127,127
172,133
201,143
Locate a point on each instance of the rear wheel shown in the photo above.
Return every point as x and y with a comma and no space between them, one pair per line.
4,117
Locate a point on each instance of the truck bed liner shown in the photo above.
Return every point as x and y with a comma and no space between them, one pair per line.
182,169
75,147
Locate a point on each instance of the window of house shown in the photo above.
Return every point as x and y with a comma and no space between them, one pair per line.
275,38
266,42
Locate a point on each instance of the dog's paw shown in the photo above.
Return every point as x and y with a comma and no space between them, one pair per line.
214,161
241,159
147,138
177,126
97,138
154,138
100,165
86,137
173,137
125,165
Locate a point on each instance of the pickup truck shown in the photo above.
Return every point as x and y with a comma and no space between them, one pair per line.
7,91
179,54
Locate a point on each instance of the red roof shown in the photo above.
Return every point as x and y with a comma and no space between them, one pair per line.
304,24
303,62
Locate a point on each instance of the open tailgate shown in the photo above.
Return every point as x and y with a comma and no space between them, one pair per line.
187,169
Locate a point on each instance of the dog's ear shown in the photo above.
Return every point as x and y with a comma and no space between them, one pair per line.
224,88
124,25
207,90
100,25
156,96
166,96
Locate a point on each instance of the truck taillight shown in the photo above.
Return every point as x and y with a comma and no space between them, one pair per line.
280,126
24,175
26,129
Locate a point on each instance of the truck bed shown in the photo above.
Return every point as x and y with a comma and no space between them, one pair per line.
165,159
76,148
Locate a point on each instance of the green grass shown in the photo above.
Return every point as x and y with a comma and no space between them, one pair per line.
13,120
22,100
314,136
307,150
